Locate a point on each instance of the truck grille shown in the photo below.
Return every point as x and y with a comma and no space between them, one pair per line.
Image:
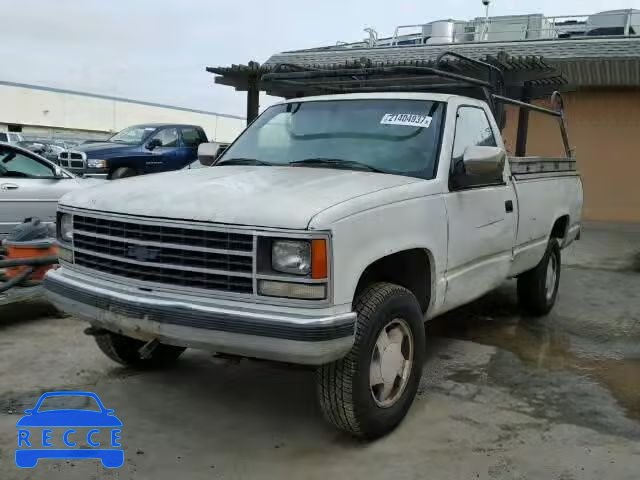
71,155
71,160
176,256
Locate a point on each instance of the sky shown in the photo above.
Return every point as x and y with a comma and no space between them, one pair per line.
157,50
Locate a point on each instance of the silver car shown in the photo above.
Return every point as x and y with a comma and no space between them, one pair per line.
30,186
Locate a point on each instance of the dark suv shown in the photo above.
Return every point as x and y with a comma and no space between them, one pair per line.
136,150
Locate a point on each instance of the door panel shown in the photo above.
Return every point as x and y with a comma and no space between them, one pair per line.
164,156
33,198
481,236
482,224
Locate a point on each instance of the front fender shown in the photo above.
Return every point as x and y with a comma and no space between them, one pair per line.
136,161
362,238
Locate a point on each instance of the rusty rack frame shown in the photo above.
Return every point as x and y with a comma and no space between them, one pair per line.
417,78
292,81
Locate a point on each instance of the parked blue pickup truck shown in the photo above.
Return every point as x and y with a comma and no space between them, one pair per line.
136,150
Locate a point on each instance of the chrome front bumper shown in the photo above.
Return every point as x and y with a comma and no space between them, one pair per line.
103,176
303,336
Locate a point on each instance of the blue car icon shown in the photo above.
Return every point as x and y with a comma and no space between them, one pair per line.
33,447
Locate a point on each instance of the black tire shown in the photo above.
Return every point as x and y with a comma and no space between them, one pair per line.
123,172
343,387
535,294
124,350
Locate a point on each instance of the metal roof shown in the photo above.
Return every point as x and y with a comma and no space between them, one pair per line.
584,62
598,47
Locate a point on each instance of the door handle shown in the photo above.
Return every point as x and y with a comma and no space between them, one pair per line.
9,186
508,206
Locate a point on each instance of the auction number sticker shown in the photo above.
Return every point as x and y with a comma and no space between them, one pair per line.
406,119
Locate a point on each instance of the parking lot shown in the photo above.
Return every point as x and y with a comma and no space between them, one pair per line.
502,396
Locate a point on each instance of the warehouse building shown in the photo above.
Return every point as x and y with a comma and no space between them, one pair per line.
593,59
44,112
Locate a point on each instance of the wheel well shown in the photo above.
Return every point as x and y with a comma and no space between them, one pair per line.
409,268
559,229
113,169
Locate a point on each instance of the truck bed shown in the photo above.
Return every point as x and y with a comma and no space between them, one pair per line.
546,189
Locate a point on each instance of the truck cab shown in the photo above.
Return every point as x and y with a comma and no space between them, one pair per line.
136,150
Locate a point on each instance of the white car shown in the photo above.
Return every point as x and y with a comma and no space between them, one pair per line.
30,186
325,235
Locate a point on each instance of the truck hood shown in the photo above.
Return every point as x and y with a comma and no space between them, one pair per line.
281,197
103,149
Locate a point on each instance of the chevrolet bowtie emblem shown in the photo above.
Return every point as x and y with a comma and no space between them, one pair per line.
142,253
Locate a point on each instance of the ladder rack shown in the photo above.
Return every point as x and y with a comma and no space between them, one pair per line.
488,85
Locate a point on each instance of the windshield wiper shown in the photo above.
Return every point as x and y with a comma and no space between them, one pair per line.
243,161
336,163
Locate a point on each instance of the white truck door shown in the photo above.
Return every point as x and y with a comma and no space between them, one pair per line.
481,214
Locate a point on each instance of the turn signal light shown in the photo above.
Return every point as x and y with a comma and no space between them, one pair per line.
319,261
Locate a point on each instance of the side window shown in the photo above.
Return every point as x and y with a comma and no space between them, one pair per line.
3,137
17,165
472,129
191,137
168,137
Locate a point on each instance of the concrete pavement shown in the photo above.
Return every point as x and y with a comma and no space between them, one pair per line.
502,397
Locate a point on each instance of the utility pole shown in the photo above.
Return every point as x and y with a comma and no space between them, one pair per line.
485,33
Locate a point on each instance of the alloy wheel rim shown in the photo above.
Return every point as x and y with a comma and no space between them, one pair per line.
391,362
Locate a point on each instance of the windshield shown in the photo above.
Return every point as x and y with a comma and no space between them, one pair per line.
133,135
391,136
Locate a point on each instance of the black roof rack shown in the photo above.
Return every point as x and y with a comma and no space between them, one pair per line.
366,76
497,80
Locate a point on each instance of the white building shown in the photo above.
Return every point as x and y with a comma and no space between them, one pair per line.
45,112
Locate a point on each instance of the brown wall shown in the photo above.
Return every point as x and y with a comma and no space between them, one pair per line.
604,129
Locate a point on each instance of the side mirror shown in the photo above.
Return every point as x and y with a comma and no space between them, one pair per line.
153,143
208,153
484,162
57,172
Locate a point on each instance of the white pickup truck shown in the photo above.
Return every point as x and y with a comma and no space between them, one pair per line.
325,235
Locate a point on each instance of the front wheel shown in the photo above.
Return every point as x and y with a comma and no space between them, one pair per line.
538,288
126,351
369,391
123,172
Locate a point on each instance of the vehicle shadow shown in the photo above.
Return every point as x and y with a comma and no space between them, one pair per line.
250,397
25,311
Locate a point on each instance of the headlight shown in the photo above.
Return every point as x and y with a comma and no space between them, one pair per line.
65,228
291,256
95,163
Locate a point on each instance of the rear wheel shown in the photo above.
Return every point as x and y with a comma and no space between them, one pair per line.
369,391
123,172
125,350
538,288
